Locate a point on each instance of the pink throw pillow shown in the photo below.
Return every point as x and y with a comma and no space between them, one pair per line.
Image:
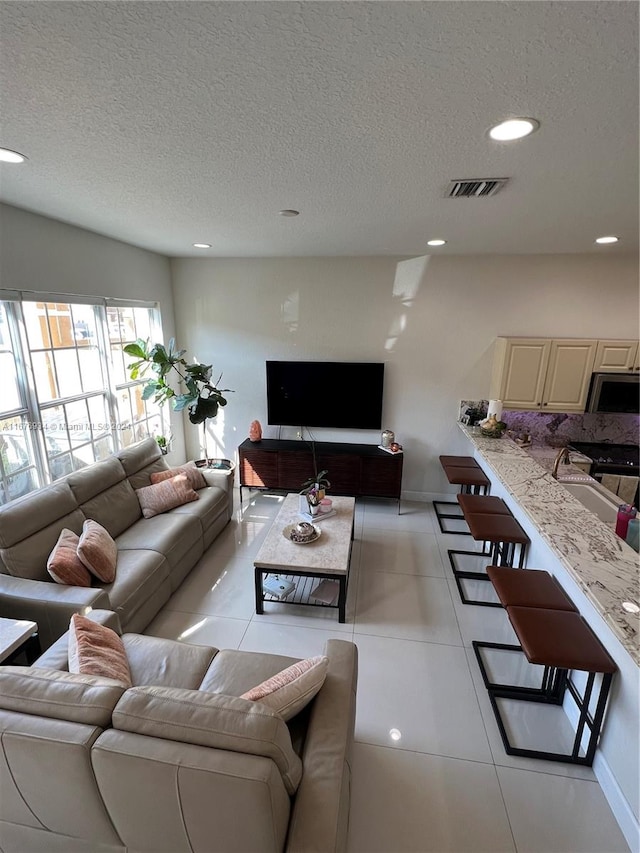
97,650
193,475
64,565
289,691
98,551
166,495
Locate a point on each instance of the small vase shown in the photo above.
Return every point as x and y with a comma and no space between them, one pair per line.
314,509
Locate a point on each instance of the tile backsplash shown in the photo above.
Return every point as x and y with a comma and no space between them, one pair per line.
617,429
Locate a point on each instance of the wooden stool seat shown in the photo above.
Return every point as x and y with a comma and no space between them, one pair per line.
530,588
458,462
490,527
482,503
559,638
468,476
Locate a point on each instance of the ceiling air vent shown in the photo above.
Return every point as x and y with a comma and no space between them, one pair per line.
475,187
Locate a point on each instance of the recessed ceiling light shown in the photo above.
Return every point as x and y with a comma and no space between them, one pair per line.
9,156
202,245
513,128
630,607
436,242
289,212
610,239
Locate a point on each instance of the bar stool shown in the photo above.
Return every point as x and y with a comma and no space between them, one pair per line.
465,472
532,588
561,642
506,540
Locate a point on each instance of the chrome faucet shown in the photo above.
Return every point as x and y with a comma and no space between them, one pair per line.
563,454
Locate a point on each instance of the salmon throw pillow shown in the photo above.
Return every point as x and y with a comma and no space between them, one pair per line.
98,551
193,475
97,650
64,565
289,691
164,496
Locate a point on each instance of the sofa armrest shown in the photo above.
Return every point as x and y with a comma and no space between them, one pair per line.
51,605
222,478
320,815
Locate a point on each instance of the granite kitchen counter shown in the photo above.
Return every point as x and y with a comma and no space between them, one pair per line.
604,566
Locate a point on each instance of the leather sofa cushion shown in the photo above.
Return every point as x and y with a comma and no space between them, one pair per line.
26,515
234,672
138,575
140,455
164,663
88,482
87,699
116,508
28,557
170,534
213,720
211,503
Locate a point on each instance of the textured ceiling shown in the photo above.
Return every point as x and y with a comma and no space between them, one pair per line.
166,123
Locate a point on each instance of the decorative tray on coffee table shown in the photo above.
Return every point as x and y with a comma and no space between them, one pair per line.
298,533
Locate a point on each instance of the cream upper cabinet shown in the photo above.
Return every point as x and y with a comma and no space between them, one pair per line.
568,375
616,356
540,373
519,372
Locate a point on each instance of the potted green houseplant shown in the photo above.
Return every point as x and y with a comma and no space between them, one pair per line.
201,397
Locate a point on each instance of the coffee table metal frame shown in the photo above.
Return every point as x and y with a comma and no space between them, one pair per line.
279,557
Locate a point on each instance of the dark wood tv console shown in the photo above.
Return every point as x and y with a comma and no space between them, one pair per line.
360,470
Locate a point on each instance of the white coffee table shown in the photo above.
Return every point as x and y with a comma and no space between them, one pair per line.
18,635
328,558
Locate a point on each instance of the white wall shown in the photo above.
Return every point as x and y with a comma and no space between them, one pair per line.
433,320
41,254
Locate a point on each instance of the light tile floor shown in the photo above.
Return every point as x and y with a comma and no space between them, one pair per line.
430,774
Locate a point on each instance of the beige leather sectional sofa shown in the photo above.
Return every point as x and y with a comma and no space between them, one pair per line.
178,763
154,554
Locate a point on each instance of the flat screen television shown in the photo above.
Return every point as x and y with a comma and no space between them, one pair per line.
341,395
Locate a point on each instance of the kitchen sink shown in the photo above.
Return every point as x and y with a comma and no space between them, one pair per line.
593,500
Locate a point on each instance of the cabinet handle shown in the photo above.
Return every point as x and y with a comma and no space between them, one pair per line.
545,404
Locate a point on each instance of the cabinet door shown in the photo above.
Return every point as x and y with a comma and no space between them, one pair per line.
381,476
613,356
568,375
294,467
343,472
258,468
520,370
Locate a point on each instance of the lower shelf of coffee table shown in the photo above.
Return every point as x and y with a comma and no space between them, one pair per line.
302,594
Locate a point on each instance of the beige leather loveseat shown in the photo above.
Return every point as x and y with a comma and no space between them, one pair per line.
178,763
154,554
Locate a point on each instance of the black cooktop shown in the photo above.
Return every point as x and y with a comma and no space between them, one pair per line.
607,453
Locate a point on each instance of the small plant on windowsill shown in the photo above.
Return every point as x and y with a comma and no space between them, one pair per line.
164,443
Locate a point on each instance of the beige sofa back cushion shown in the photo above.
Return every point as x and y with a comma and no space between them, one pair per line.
86,699
210,719
30,527
140,461
104,494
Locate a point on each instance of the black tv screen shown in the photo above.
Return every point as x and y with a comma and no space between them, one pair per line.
342,395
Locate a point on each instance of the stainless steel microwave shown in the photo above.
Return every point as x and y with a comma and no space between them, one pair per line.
614,392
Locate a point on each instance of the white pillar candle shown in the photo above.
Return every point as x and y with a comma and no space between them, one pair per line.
495,408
